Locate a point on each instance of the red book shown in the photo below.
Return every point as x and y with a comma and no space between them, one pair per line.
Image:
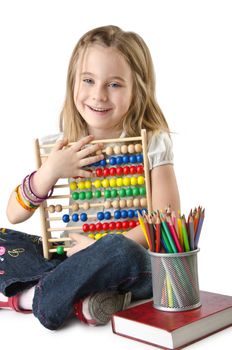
174,330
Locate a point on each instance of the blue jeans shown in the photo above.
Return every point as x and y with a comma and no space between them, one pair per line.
113,263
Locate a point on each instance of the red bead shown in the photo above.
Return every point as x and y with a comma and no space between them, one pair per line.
132,169
126,170
112,225
106,172
112,171
85,227
99,172
119,170
125,224
132,224
118,225
105,226
140,169
92,227
98,226
137,222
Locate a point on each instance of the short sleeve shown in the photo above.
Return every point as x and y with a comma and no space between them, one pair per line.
160,150
49,140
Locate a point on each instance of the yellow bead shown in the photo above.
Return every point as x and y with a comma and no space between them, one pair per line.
140,180
97,183
126,181
105,183
88,184
113,182
133,181
81,185
104,234
91,235
98,236
119,181
73,186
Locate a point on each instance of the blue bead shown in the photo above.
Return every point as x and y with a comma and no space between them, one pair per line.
133,159
100,215
65,218
136,212
139,158
83,217
126,159
117,214
107,215
75,217
112,160
103,162
124,214
131,213
119,160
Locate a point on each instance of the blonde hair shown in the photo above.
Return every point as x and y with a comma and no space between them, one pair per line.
144,111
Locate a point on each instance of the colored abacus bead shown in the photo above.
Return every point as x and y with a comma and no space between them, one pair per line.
125,158
83,217
75,196
97,194
58,208
89,194
112,225
99,172
103,162
112,171
106,172
124,214
131,213
119,160
75,217
112,160
119,170
60,250
98,226
107,194
100,215
107,215
92,227
117,214
105,226
65,218
133,159
118,225
73,185
85,228
51,208
82,196
140,169
139,158
133,170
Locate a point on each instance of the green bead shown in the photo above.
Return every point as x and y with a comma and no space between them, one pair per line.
60,250
122,192
89,195
97,194
135,191
75,196
142,191
82,196
114,193
129,192
107,194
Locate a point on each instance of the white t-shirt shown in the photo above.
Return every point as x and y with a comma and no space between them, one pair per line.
159,153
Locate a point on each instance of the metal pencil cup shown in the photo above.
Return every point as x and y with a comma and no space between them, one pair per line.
175,281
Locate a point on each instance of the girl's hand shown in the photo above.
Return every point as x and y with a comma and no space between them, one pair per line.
65,162
80,242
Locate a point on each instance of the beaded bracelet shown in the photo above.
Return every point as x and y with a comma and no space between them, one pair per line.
21,202
35,195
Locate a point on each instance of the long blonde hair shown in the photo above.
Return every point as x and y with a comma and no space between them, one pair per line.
144,111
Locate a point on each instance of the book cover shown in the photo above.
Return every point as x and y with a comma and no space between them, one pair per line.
174,330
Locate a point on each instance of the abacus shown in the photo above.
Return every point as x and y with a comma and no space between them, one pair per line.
119,188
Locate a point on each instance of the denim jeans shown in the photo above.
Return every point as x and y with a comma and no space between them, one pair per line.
113,263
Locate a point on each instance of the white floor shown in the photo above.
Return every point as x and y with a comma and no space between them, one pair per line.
19,331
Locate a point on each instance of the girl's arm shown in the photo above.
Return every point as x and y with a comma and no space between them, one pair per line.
63,162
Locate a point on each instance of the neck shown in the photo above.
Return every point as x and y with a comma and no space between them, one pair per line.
104,134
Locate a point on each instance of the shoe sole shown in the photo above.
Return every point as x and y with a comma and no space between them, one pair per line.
103,305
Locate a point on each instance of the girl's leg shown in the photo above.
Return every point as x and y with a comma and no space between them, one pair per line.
114,263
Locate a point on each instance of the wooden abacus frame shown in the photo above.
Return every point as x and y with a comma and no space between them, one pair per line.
45,216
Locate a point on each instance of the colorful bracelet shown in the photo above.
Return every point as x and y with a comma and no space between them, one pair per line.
35,195
21,202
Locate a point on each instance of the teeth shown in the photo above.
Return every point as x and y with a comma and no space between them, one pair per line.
99,109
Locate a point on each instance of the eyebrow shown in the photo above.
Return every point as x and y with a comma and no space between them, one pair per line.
110,78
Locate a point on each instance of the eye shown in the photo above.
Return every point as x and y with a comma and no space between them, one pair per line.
88,81
114,85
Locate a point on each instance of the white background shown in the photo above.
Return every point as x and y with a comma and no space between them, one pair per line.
190,42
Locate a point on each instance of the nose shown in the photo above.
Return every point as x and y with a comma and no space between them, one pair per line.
99,93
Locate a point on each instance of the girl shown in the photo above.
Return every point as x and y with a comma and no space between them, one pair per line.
110,94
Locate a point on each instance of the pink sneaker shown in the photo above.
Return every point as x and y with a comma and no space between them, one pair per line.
98,308
13,303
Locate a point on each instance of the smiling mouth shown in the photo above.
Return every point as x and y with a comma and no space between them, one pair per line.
101,110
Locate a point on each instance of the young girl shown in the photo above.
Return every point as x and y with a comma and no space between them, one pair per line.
110,94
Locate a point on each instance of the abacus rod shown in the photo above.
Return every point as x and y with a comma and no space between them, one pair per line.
123,139
67,228
54,250
64,239
146,170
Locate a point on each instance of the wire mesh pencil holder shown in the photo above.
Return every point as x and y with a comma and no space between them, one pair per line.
175,281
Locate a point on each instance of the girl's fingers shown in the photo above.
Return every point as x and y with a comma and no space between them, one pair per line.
89,150
91,160
84,173
77,146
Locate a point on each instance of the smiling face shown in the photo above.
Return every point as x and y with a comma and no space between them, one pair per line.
103,89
